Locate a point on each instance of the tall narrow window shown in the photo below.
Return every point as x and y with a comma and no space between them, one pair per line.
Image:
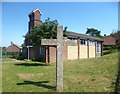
98,48
92,43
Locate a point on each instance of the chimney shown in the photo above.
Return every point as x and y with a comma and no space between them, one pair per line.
11,43
104,35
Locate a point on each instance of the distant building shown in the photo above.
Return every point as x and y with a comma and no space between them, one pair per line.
109,41
13,48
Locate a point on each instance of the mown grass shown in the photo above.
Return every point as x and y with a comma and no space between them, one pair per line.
85,75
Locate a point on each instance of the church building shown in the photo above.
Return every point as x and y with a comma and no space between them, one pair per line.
86,46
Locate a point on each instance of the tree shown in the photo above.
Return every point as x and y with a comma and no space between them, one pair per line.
116,35
47,30
93,32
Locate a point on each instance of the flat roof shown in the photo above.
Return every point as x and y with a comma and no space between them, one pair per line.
71,34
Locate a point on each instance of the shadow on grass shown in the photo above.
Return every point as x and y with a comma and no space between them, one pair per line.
117,82
31,64
40,84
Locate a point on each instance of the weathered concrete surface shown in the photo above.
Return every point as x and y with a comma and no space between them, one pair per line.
59,65
54,42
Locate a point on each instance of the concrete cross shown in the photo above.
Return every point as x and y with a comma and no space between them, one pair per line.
59,62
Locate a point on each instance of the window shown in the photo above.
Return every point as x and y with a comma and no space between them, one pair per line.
72,38
98,48
42,50
83,42
92,43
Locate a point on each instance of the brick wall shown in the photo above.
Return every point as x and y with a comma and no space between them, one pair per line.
51,53
35,19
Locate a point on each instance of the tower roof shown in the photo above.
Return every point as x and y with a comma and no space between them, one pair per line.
35,11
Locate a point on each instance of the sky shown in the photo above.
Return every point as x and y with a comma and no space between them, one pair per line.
77,16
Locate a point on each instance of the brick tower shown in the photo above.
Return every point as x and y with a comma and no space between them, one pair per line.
35,19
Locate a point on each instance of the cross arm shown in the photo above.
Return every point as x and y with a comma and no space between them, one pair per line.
49,42
54,42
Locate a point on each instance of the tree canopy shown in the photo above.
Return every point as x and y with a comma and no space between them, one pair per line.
48,30
93,32
116,35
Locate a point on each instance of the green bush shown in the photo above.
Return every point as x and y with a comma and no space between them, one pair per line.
109,49
36,59
20,56
106,48
106,52
12,54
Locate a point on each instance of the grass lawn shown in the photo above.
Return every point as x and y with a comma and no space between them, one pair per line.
85,75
